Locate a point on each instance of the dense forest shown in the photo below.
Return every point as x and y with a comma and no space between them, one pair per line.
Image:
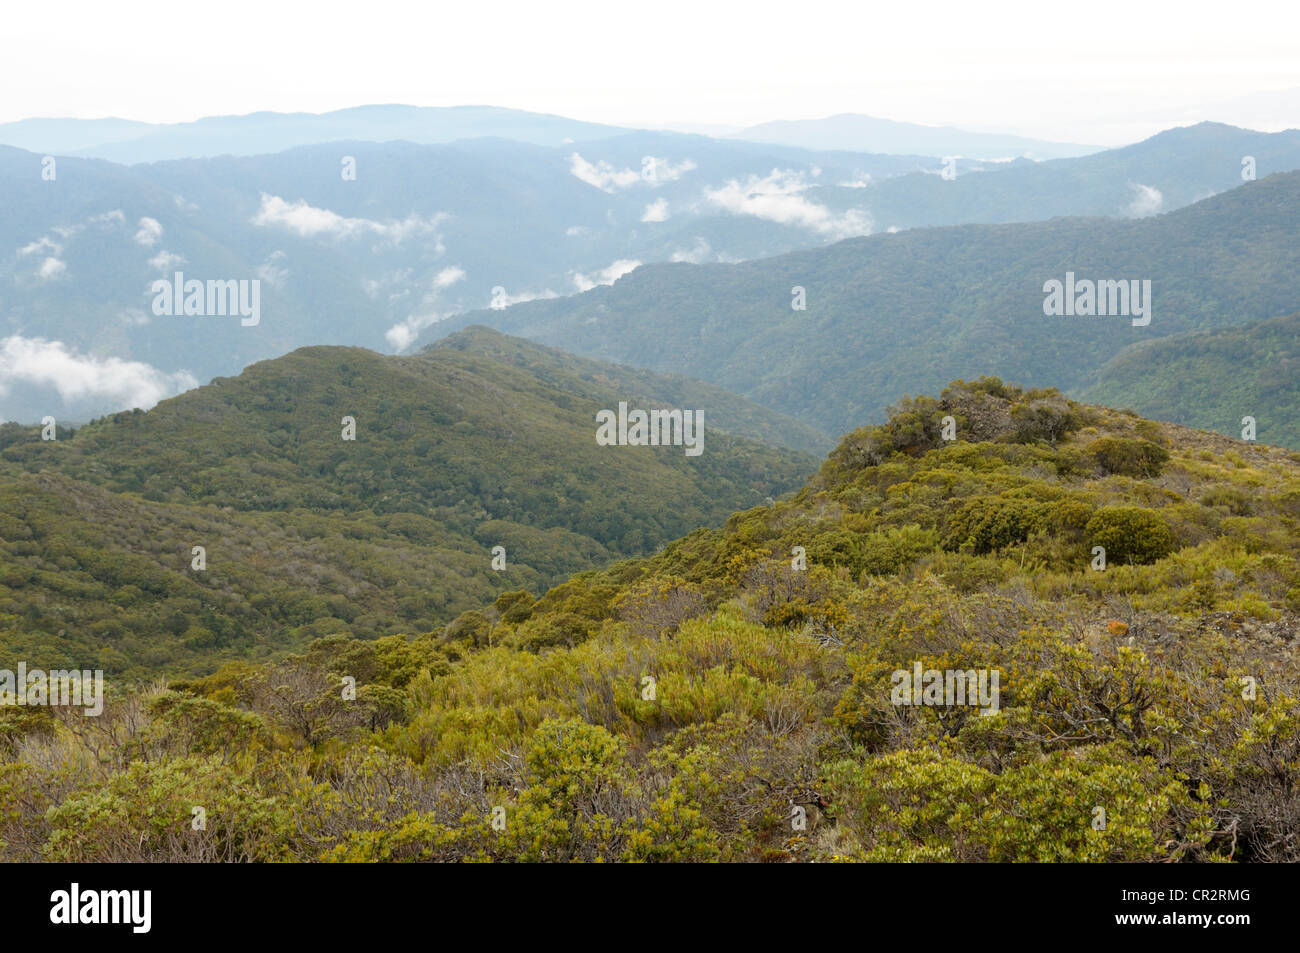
478,444
733,696
901,313
1212,379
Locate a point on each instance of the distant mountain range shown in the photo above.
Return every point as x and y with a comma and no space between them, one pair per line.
859,133
370,244
421,232
126,141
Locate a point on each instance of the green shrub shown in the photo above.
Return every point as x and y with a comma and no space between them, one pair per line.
986,524
1133,458
1130,534
884,554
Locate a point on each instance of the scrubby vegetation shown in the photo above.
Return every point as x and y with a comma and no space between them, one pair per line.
733,696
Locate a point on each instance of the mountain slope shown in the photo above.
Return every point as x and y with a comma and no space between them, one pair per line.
740,695
868,134
1212,379
132,142
902,313
455,453
732,414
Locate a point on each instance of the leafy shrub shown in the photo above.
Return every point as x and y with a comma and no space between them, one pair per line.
1045,419
1122,456
986,524
515,606
1130,534
889,552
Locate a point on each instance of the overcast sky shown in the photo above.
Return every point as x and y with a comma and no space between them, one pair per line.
1095,71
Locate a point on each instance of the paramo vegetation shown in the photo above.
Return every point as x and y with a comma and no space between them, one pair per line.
729,698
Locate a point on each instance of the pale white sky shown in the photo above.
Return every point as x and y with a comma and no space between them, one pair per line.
1095,71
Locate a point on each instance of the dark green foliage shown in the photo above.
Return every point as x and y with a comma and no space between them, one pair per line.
904,313
1130,534
515,606
987,524
1125,457
1212,379
487,443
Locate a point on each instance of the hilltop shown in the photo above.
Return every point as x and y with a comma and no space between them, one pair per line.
456,451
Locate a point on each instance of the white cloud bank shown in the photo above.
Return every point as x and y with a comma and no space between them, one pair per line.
777,197
78,376
307,221
604,276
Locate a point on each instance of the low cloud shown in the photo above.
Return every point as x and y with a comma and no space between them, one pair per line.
1147,200
271,271
148,232
661,170
403,334
307,221
165,261
502,300
699,252
605,276
42,244
607,178
50,269
602,175
656,211
77,376
777,197
449,276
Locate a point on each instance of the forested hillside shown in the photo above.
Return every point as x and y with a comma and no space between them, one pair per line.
456,452
735,696
904,313
1212,379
